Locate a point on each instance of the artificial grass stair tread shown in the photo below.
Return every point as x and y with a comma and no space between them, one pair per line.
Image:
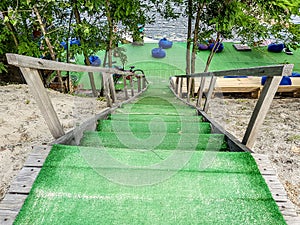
157,111
147,117
154,126
212,162
150,140
70,190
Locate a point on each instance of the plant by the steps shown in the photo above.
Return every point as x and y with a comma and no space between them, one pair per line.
122,55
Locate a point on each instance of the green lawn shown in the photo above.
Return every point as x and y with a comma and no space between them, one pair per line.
174,62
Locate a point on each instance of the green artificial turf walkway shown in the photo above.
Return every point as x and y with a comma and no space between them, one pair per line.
152,162
174,62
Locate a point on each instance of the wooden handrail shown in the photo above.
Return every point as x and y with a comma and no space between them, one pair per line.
43,64
30,66
274,75
274,70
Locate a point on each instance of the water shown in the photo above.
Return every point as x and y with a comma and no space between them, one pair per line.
176,30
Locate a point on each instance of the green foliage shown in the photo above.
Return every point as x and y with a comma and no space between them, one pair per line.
120,51
250,21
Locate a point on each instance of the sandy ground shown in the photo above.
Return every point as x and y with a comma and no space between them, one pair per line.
22,126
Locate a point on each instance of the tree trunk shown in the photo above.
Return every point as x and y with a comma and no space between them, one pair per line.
195,47
208,61
12,29
48,43
189,36
110,34
195,38
86,57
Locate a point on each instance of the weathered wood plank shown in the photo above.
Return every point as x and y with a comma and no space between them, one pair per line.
189,82
36,63
125,87
176,88
111,87
180,87
37,157
92,82
209,93
200,91
276,70
44,103
139,83
24,180
10,207
131,86
107,90
144,82
262,106
291,220
277,190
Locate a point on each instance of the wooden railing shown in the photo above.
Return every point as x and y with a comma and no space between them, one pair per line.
274,75
29,67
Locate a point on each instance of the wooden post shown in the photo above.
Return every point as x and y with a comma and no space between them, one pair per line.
189,86
209,93
125,86
92,82
144,82
111,87
200,91
106,89
43,101
176,85
180,88
139,83
131,86
262,106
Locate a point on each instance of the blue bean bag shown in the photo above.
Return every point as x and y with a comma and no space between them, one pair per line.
220,48
273,47
158,53
295,74
286,80
164,43
203,47
95,60
75,41
63,44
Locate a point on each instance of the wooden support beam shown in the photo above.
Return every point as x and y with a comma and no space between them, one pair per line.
92,82
189,82
263,104
180,87
43,64
125,87
112,87
209,93
139,83
144,81
44,103
200,92
176,85
107,89
131,86
274,70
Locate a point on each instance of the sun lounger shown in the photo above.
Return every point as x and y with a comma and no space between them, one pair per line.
241,47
